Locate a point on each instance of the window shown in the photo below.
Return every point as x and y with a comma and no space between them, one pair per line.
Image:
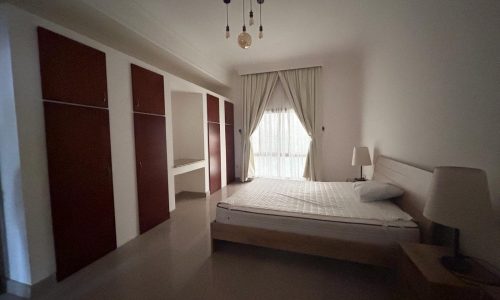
280,144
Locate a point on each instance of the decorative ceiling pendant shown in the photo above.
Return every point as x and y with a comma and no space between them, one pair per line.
244,38
227,18
261,29
250,19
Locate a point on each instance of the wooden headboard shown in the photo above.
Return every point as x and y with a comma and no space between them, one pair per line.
416,183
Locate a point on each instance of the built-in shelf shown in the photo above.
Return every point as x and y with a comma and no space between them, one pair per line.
182,166
186,161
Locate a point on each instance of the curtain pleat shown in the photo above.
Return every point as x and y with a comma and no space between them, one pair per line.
301,88
257,90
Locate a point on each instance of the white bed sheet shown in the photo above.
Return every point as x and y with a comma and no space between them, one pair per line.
327,209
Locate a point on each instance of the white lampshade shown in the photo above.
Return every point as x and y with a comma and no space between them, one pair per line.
361,156
459,197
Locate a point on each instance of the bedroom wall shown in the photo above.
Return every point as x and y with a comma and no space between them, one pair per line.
16,240
187,125
25,190
188,138
338,108
432,94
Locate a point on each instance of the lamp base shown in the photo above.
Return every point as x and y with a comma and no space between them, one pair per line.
457,264
360,179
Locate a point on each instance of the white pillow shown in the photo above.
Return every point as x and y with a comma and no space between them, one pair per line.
374,191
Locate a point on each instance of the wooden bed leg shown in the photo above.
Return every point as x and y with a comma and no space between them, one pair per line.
216,245
213,245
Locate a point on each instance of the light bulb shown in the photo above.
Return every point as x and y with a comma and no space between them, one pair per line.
227,32
251,22
244,40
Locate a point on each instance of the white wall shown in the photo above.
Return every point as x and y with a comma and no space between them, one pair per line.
338,109
193,181
187,125
31,133
23,156
432,95
222,120
188,138
235,96
122,147
16,244
340,112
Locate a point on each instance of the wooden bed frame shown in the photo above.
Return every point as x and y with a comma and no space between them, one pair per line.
413,180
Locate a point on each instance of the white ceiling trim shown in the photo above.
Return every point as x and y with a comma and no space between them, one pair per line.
280,66
137,19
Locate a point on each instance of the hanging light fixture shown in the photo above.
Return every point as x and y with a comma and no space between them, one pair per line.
244,39
250,21
261,29
227,18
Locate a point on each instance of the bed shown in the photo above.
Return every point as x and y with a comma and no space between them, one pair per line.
325,219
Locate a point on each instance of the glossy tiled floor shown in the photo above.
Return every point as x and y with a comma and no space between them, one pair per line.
173,261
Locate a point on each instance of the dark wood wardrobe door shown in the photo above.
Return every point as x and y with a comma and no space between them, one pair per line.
151,164
230,153
71,72
212,109
147,91
81,185
214,163
229,112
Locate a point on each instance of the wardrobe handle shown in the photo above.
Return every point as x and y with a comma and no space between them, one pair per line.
137,104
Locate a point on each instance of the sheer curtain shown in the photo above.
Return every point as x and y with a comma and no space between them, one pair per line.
280,143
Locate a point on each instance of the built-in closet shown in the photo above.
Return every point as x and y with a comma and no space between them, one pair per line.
214,149
229,120
150,147
74,89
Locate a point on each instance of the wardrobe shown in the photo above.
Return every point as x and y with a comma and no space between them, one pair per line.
214,155
214,142
74,91
148,98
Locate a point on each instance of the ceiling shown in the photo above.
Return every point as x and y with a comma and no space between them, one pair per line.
292,28
187,36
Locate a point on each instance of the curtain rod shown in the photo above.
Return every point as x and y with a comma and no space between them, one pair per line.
278,70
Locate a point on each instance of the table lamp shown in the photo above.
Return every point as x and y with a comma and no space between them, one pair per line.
460,199
361,157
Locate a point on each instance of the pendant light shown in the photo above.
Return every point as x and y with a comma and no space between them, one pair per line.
261,29
244,39
227,18
250,21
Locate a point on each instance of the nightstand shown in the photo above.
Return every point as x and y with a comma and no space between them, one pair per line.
422,276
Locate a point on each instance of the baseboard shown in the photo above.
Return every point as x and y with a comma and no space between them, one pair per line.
190,194
18,289
28,291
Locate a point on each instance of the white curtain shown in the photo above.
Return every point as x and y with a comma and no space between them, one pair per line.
257,89
301,88
280,142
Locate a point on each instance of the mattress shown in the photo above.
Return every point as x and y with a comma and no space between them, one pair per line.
326,209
